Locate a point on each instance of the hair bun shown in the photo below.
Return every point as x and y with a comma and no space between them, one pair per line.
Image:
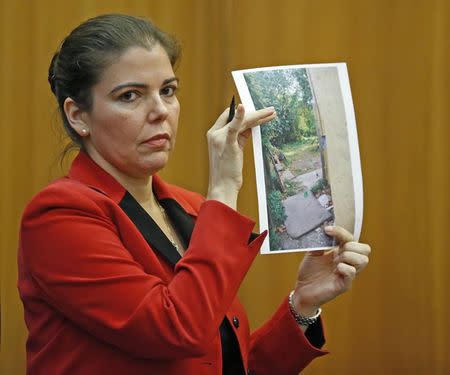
51,73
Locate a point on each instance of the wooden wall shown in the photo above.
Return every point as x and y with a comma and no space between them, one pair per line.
396,318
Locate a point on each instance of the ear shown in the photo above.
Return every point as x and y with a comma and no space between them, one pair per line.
76,117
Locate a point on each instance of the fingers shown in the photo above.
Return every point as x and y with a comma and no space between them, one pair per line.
237,124
260,117
221,120
243,121
350,252
239,128
342,235
242,139
356,247
347,272
240,112
356,260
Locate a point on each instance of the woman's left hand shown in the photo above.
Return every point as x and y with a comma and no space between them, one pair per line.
323,275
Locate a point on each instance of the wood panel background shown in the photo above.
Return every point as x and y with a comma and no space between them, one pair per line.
396,318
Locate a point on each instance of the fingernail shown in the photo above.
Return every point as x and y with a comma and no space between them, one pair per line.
328,229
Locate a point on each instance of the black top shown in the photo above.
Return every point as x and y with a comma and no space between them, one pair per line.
183,223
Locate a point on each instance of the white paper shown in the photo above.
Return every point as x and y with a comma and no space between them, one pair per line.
314,136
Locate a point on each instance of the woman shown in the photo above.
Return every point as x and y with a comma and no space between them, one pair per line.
122,273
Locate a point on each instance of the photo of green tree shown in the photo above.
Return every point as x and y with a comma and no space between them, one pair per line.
298,192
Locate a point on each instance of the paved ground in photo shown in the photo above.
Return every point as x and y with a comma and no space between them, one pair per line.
315,238
308,180
304,213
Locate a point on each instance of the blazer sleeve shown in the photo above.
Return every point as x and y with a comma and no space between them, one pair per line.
72,252
280,346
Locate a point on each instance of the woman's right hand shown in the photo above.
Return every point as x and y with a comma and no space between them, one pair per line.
226,143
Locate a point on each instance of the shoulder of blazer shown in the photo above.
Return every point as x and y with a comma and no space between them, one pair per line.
66,193
70,193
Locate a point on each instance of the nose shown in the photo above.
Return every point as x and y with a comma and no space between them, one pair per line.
158,111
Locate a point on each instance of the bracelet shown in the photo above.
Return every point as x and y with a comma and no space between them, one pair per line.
302,320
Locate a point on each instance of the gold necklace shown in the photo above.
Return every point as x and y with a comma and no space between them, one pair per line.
166,220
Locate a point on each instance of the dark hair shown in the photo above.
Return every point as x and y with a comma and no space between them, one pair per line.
90,48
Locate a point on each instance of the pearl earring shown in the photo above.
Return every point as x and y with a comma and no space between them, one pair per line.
84,131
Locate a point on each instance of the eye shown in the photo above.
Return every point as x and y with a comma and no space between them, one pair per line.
128,96
168,91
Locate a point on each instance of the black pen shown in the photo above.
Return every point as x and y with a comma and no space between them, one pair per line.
232,110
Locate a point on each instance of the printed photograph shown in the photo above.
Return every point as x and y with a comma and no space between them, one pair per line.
294,150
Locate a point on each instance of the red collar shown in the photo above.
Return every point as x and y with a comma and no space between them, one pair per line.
88,172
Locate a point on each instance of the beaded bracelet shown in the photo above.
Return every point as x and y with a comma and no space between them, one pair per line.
302,320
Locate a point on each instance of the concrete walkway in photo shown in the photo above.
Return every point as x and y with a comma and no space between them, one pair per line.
304,213
308,180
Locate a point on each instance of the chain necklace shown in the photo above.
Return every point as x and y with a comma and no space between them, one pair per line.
166,220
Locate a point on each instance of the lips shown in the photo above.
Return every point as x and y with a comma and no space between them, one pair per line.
158,140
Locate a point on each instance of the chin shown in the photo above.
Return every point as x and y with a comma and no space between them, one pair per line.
154,166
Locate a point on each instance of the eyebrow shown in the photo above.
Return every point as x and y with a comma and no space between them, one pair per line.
141,85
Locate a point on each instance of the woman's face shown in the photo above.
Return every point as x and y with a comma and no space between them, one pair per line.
133,122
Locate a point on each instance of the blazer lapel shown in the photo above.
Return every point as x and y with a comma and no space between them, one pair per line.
155,237
180,211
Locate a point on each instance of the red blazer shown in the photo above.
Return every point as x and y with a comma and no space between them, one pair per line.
99,299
